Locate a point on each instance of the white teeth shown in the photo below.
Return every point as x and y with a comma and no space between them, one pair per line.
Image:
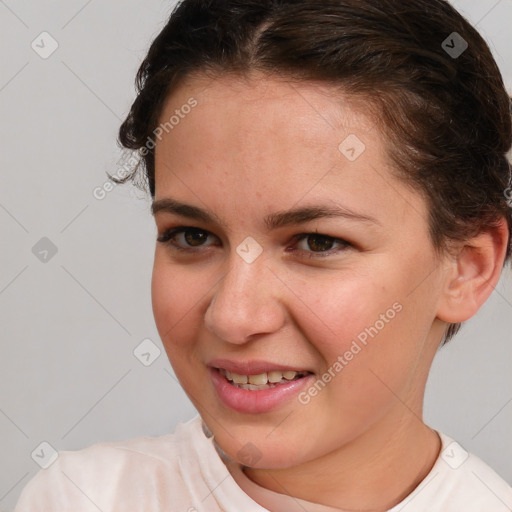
258,380
262,379
274,376
251,387
239,379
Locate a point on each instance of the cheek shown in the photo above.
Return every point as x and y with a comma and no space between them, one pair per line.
364,328
175,296
337,314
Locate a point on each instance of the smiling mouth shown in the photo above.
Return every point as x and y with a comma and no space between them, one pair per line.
261,381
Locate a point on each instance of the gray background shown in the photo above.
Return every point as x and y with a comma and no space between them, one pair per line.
69,325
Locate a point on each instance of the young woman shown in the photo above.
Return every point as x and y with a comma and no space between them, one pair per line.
329,184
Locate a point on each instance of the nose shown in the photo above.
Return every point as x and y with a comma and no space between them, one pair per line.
246,302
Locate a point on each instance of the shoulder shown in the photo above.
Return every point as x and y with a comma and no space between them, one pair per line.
111,472
459,480
476,481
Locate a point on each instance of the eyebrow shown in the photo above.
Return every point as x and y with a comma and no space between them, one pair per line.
273,221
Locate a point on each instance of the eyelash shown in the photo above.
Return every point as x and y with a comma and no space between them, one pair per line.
168,238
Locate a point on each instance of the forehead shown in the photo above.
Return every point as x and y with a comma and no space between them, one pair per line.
258,119
275,139
269,102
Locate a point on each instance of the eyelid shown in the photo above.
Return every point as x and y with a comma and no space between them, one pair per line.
167,236
320,254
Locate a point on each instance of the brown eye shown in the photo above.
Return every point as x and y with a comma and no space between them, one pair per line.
194,238
316,245
319,242
185,238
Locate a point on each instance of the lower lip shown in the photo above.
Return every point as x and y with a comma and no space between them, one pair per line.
247,401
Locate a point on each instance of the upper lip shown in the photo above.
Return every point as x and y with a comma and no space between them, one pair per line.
254,367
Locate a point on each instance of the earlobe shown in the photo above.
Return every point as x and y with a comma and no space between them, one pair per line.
472,275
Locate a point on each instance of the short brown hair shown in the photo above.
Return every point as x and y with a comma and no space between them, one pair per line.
447,115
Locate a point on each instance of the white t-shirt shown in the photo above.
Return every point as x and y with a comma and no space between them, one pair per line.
184,472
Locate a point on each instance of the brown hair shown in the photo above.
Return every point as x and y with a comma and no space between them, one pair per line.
445,108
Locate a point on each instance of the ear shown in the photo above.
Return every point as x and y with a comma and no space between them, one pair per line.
473,273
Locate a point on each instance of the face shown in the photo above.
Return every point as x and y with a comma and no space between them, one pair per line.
343,291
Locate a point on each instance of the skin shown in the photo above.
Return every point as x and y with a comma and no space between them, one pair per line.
262,145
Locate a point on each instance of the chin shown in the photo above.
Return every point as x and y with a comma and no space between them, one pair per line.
252,447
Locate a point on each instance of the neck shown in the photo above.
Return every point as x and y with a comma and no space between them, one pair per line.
372,473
